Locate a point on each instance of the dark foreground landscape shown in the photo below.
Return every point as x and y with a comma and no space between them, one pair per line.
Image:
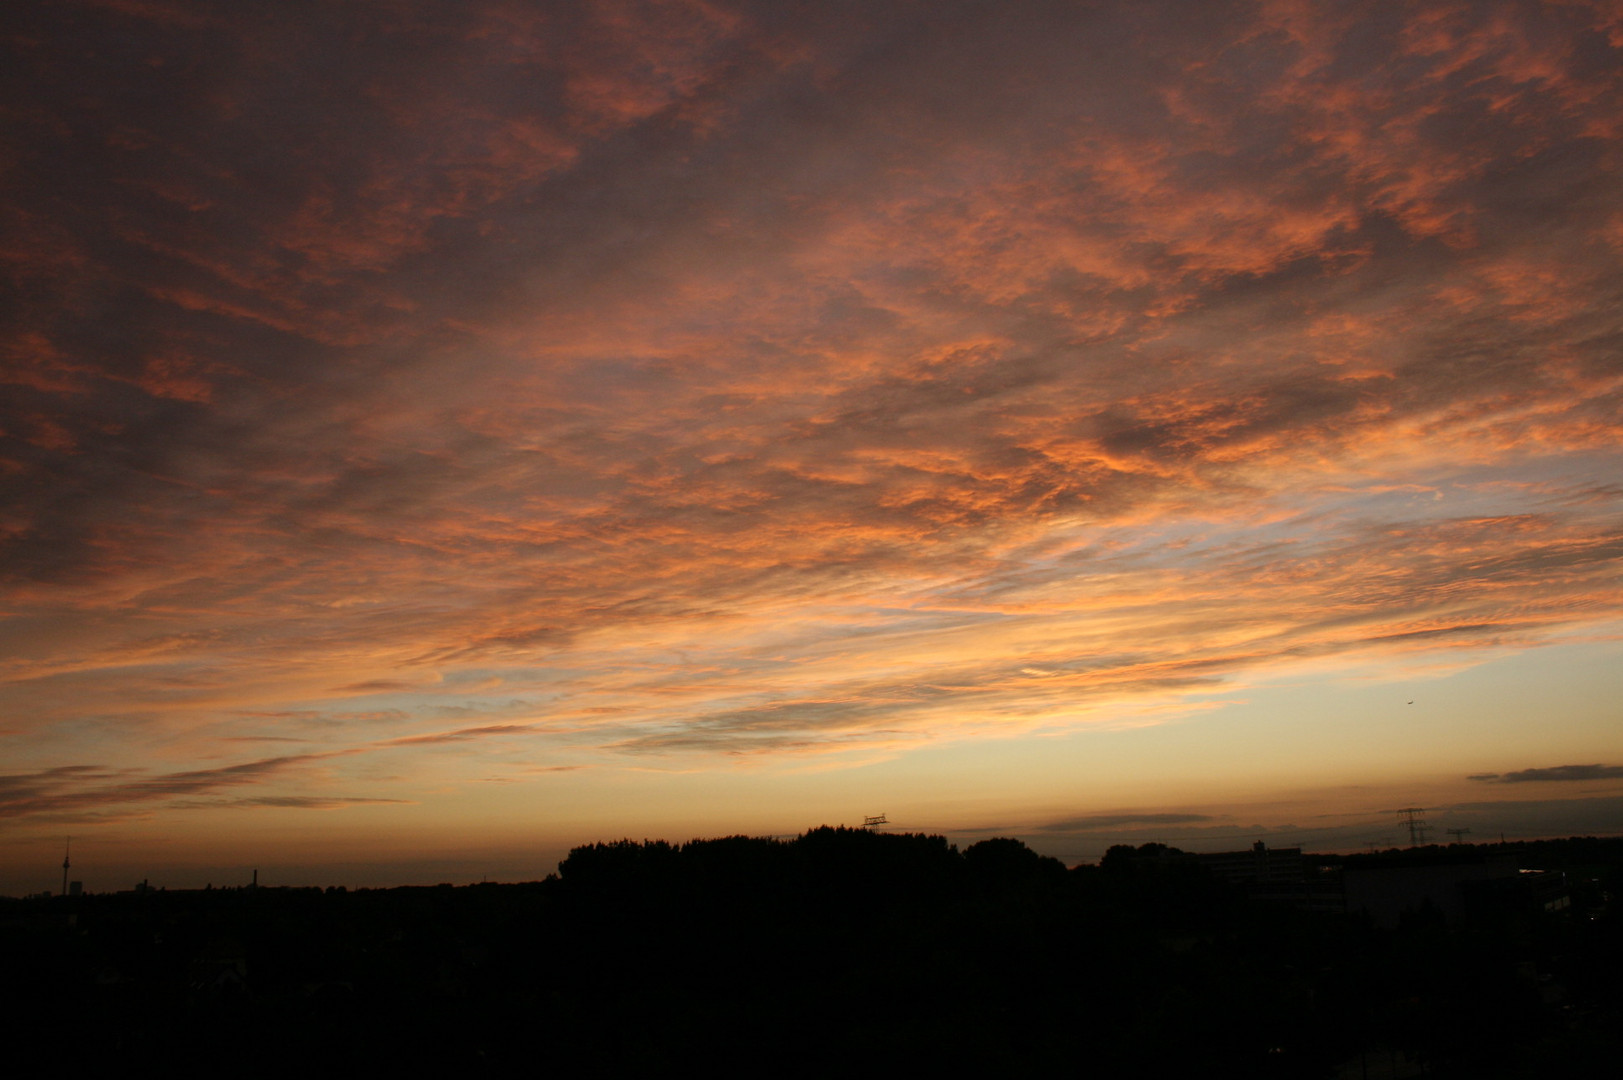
845,951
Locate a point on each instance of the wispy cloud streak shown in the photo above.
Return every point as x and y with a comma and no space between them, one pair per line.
82,788
1568,773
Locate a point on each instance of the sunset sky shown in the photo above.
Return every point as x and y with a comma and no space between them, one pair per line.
437,434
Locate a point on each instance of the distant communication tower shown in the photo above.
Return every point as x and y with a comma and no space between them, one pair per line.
874,821
65,864
1417,824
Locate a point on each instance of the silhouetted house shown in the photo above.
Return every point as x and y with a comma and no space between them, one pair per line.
1527,892
1277,876
220,968
1453,887
1260,865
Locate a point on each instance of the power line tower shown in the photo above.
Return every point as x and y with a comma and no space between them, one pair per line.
1417,824
1457,834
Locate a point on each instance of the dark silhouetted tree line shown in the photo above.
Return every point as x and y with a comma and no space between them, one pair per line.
841,951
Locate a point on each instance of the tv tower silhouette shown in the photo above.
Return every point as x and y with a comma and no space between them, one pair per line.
65,864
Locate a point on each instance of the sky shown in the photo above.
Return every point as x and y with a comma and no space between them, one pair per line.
434,435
